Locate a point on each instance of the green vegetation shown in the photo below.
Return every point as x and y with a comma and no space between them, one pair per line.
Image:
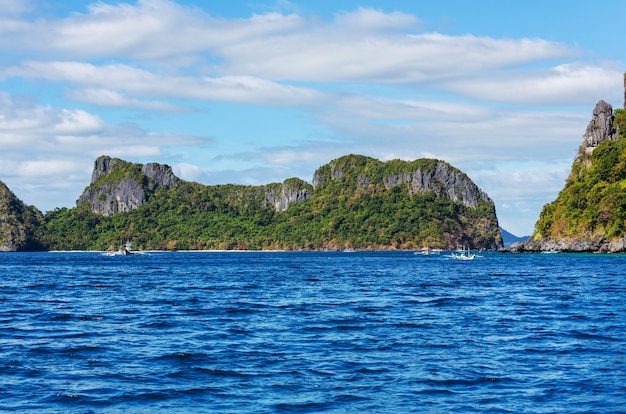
19,224
593,202
350,208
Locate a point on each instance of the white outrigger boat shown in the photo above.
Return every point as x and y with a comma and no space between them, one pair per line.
463,255
126,250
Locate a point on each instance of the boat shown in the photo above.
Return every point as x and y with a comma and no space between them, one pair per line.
427,251
126,250
463,255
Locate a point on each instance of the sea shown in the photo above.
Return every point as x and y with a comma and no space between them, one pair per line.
312,332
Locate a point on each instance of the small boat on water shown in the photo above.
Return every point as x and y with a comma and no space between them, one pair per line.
463,255
110,252
126,250
427,251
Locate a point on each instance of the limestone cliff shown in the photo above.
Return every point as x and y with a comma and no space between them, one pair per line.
600,128
18,223
588,215
419,176
119,186
281,196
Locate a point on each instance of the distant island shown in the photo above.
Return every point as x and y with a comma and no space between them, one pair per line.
508,238
354,202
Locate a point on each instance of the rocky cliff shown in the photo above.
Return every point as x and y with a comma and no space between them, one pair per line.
18,223
588,214
600,128
417,177
281,196
119,186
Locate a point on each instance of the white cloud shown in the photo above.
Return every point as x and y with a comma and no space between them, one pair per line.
188,172
45,168
276,46
371,19
563,84
261,56
521,190
458,133
76,122
14,7
153,30
107,97
244,89
330,54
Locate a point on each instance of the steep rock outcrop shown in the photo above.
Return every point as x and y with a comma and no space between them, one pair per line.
600,128
443,180
585,215
119,186
281,196
18,223
159,175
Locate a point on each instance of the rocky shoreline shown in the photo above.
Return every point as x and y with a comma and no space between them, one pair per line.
598,245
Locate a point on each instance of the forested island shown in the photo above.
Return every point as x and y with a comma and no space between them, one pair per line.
354,202
589,214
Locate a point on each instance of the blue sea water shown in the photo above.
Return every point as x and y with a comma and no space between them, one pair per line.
336,332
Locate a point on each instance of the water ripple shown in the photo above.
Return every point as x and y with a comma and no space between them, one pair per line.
312,332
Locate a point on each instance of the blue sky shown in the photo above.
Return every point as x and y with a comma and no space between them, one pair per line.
253,92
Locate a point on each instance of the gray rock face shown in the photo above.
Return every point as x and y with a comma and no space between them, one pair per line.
600,128
598,245
137,182
102,167
439,177
443,181
282,196
159,176
112,198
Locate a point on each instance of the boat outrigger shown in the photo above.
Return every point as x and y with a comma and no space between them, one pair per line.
463,255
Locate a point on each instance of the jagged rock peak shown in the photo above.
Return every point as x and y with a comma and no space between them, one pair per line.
102,167
600,128
160,175
120,186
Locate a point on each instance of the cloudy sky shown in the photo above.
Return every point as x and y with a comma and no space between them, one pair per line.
253,92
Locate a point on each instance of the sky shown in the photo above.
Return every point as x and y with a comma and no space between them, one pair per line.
255,92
